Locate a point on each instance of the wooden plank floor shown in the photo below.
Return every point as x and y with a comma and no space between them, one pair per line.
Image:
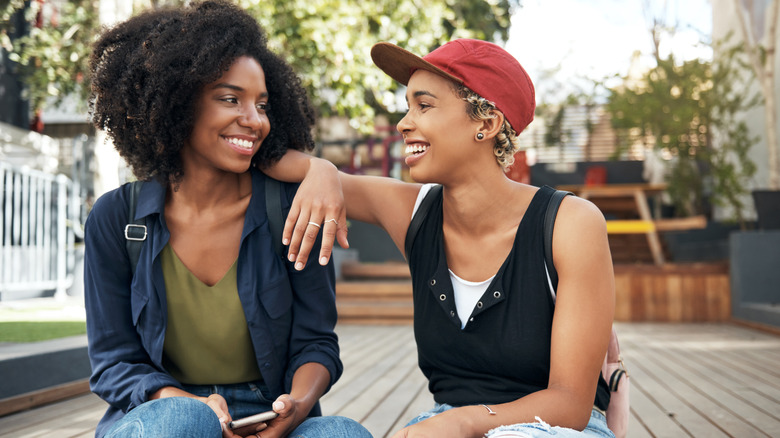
688,380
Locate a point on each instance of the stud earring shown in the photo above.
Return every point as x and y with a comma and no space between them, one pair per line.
480,136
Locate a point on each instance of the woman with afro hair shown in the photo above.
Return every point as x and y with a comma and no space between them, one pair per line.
210,325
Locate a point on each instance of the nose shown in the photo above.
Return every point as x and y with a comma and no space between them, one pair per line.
404,125
251,117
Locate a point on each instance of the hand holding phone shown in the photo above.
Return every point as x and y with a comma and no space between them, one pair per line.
252,420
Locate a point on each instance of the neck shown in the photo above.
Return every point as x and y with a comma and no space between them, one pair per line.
468,204
203,191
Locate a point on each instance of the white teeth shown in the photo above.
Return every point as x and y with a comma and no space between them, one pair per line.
416,148
246,144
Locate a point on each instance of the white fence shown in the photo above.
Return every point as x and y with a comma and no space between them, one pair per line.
38,235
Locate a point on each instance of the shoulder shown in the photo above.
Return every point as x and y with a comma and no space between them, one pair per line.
580,231
578,213
111,204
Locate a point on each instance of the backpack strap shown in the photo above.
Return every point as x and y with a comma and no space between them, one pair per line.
135,230
273,208
419,216
549,224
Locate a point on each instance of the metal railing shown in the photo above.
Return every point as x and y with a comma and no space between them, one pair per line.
37,231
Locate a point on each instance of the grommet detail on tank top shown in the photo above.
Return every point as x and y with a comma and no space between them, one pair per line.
433,282
479,304
442,297
496,294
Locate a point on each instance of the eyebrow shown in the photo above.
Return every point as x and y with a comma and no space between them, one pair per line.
424,93
233,87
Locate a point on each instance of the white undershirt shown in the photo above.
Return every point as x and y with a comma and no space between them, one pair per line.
467,293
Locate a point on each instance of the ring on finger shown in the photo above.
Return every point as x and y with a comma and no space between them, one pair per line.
314,223
332,220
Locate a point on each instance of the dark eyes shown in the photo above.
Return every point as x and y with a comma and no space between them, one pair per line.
421,106
262,106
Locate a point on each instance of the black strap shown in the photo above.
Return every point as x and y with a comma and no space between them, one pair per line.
419,216
549,224
135,230
273,208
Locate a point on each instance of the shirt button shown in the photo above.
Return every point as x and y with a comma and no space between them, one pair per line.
497,294
267,364
479,304
471,319
433,282
452,313
442,297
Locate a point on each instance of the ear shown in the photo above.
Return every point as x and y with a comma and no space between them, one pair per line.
491,127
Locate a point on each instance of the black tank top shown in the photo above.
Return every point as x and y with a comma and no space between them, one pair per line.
503,352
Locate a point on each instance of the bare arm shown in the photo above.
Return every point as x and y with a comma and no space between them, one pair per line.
327,194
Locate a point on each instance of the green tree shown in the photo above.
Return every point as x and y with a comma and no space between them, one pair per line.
327,42
52,58
675,108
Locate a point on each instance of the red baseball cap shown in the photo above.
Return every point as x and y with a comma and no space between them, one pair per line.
483,67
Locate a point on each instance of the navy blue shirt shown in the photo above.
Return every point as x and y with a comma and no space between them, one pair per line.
291,314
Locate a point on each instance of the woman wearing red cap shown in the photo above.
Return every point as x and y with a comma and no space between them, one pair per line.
503,357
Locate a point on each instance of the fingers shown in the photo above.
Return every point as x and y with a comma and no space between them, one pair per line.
304,237
283,405
306,227
341,233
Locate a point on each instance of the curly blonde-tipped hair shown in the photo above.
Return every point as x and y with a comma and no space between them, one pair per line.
479,109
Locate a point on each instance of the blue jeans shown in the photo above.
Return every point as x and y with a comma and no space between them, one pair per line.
597,427
187,417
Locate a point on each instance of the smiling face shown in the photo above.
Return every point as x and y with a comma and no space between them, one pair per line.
438,132
231,120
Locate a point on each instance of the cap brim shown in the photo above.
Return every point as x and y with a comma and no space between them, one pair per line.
399,64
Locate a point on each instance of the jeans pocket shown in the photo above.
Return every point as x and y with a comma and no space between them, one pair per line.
262,393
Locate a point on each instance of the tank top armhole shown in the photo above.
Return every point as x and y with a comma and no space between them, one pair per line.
423,191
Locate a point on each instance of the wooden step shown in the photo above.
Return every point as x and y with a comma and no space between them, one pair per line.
378,294
375,312
374,290
375,271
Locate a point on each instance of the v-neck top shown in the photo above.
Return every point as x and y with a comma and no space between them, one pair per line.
207,340
503,352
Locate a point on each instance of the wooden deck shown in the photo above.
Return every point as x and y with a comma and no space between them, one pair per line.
688,380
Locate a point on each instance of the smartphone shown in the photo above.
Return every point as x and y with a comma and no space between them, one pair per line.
253,419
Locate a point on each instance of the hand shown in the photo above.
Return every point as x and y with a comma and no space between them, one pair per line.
448,424
319,200
218,404
287,420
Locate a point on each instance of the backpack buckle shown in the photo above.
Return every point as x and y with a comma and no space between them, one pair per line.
135,232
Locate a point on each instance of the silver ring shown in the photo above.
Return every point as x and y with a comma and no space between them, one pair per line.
332,220
314,223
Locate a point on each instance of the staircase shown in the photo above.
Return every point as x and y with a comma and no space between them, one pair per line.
374,293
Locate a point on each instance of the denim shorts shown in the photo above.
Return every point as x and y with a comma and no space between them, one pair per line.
597,427
182,416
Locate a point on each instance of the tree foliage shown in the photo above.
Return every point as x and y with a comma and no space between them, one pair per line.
52,58
678,109
327,41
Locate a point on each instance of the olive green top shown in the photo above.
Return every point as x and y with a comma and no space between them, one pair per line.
207,340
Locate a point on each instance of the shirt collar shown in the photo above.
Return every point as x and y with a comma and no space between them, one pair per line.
152,199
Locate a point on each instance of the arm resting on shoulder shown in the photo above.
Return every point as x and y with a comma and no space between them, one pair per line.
325,194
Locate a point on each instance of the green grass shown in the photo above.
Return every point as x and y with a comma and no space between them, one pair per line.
34,331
